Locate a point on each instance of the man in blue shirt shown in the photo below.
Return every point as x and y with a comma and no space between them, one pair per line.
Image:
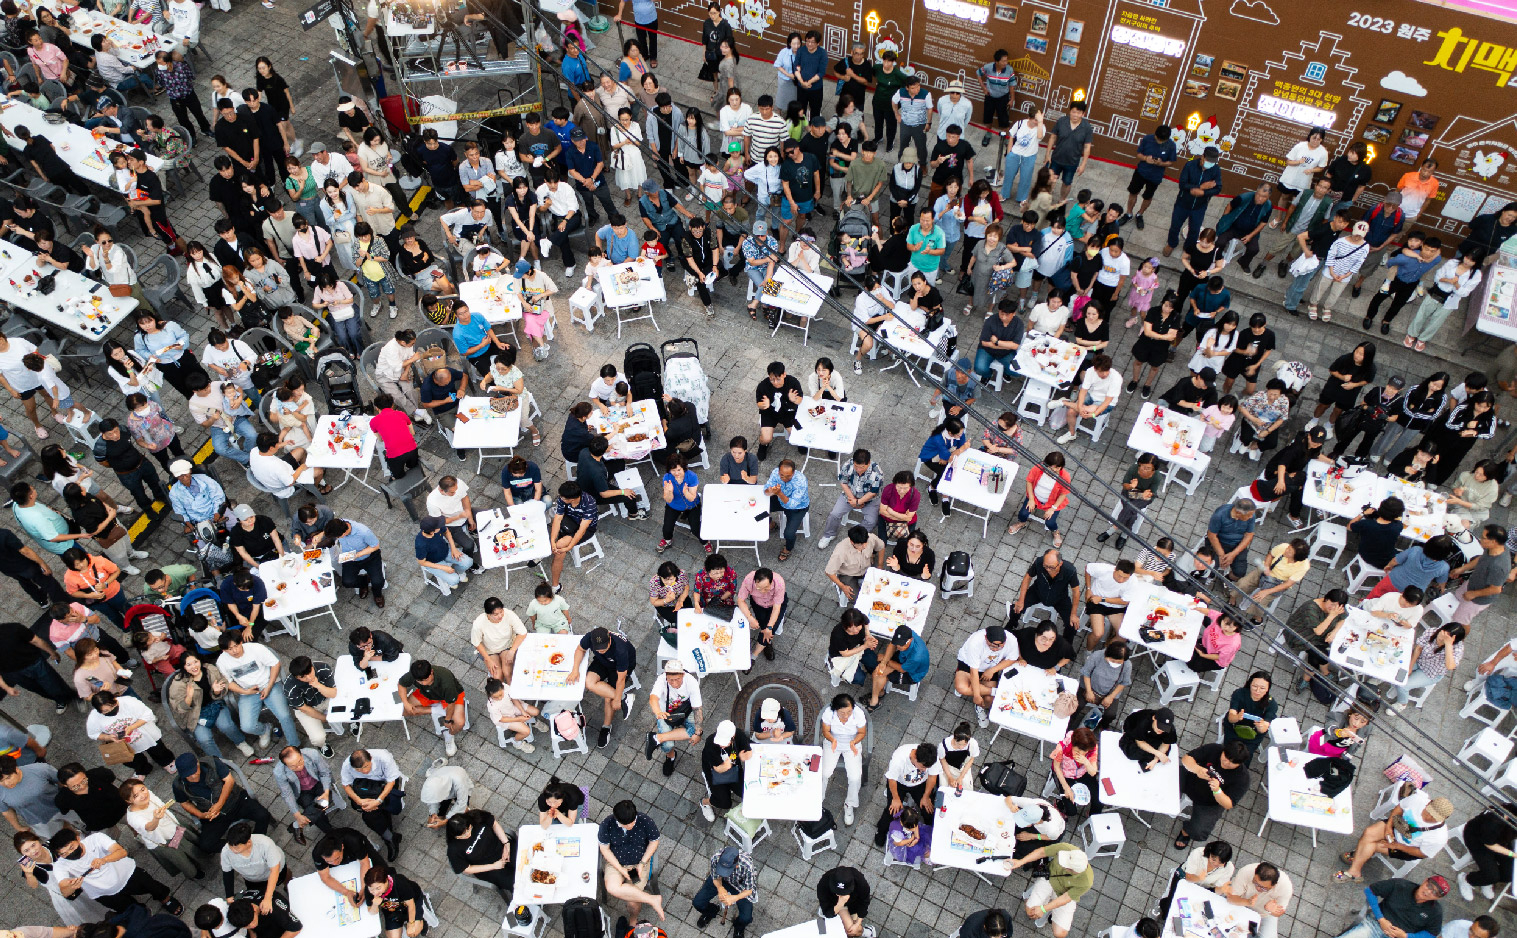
1407,269
358,556
901,663
587,170
572,521
195,498
617,240
475,339
440,394
810,69
1229,532
1199,181
789,492
573,68
435,551
1156,153
662,211
1205,303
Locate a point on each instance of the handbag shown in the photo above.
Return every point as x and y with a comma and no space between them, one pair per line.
342,236
1002,279
966,286
1077,307
120,289
897,530
116,752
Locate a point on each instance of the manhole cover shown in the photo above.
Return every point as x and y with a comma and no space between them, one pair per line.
811,700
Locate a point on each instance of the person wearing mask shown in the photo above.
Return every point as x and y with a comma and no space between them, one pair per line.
1200,179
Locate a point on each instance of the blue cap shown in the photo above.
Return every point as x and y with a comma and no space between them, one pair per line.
186,764
523,268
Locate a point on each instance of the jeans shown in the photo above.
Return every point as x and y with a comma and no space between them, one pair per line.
1025,512
1297,290
221,441
1190,218
206,737
703,904
1500,690
377,287
1418,678
793,519
142,479
1369,928
663,726
1389,441
451,577
1019,168
983,359
840,509
349,332
250,707
40,678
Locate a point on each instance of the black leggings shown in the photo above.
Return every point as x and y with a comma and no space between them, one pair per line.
178,373
884,120
187,105
691,516
142,764
647,37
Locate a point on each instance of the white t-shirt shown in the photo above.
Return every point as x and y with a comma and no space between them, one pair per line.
440,505
252,669
1049,321
844,732
1103,581
972,747
1195,865
670,698
388,367
1025,139
52,384
561,201
903,771
976,653
732,121
496,636
1053,828
129,710
186,19
275,473
1428,841
605,391
236,360
1100,388
1300,177
1391,603
204,406
106,881
20,378
160,835
1113,269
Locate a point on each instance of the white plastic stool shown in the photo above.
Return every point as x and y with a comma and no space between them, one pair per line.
1261,509
430,576
1102,835
957,585
1443,607
563,746
586,308
1503,786
1035,402
895,281
741,829
1360,574
1175,682
1479,708
1489,746
1096,425
1328,542
997,377
1188,478
811,846
437,715
531,929
1458,851
588,549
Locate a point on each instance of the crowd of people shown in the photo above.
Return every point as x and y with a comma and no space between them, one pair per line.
724,196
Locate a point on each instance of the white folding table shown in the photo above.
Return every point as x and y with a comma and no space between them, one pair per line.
299,589
621,424
1373,647
735,514
568,854
1177,439
1295,799
989,815
798,293
1185,620
969,479
493,433
382,690
890,599
1023,703
87,157
779,785
827,427
77,305
327,913
631,286
1189,909
495,298
330,448
542,669
526,541
1124,784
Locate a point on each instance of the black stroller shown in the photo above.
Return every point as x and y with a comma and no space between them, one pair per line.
339,382
645,374
853,251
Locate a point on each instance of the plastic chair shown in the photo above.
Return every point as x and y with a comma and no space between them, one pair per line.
1328,543
1187,477
746,832
1360,574
1489,747
368,363
811,846
788,699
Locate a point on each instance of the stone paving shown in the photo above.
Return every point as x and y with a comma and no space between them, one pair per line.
734,354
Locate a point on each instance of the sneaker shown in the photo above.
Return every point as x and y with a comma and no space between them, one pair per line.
1253,455
858,367
373,309
667,769
822,543
706,917
1506,497
1066,438
933,496
663,545
448,745
604,739
640,515
245,749
130,570
171,905
525,746
1148,390
1137,220
392,847
1312,424
568,271
649,744
707,813
981,714
59,707
1465,889
848,815
140,554
265,739
1121,541
1376,461
1124,219
1132,386
462,579
326,751
394,311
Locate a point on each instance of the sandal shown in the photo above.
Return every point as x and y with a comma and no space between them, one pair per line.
1347,856
1058,539
1182,841
537,438
1016,527
1311,312
1344,876
1421,346
325,488
1327,316
1409,342
784,554
753,313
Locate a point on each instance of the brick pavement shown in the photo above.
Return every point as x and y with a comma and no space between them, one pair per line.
733,354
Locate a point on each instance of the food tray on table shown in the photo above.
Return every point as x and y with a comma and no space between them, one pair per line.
782,772
1025,700
1051,359
981,842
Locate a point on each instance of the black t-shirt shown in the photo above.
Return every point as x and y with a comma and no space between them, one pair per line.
67,256
481,847
844,148
1085,268
1186,392
815,147
123,456
908,568
540,144
1234,781
1319,238
1293,458
858,899
355,846
1344,365
1020,236
238,136
618,657
41,152
413,264
393,905
16,648
266,119
90,514
99,808
858,89
699,249
930,301
11,561
1051,590
354,121
1346,177
258,542
711,755
894,254
1252,347
224,190
152,186
1027,647
840,641
432,391
779,397
573,798
1400,466
274,88
1082,330
1139,727
801,176
1377,542
958,157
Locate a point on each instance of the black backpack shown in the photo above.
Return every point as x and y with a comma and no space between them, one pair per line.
823,824
582,919
999,778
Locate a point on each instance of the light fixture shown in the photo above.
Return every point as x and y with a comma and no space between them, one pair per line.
1193,121
1174,48
1079,94
1370,153
872,22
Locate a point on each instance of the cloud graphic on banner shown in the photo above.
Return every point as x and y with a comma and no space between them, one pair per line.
1404,83
1256,10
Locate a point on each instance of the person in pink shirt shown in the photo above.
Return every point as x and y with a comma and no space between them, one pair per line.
761,597
898,506
47,59
72,621
1218,644
393,427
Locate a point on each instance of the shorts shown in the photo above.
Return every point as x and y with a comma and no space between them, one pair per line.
603,671
1233,365
66,404
769,417
1289,193
803,207
1065,173
961,666
1138,184
29,393
1100,610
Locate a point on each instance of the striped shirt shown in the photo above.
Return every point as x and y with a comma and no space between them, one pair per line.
763,133
1345,257
914,110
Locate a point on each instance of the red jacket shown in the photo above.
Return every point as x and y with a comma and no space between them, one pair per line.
1057,499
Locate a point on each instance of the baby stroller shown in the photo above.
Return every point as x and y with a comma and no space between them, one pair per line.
686,380
853,251
339,382
644,374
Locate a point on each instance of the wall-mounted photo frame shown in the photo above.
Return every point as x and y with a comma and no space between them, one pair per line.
1069,55
1037,44
1201,67
1388,111
1233,71
1039,25
1006,14
1074,30
1405,155
1377,134
1422,120
1197,89
1231,90
1412,138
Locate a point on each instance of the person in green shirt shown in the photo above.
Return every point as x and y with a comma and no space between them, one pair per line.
169,582
866,178
1054,897
927,243
888,79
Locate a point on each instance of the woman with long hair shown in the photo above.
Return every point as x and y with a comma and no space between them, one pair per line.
627,154
691,143
276,91
1411,413
97,516
268,279
237,295
339,215
131,372
1458,432
982,208
166,343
